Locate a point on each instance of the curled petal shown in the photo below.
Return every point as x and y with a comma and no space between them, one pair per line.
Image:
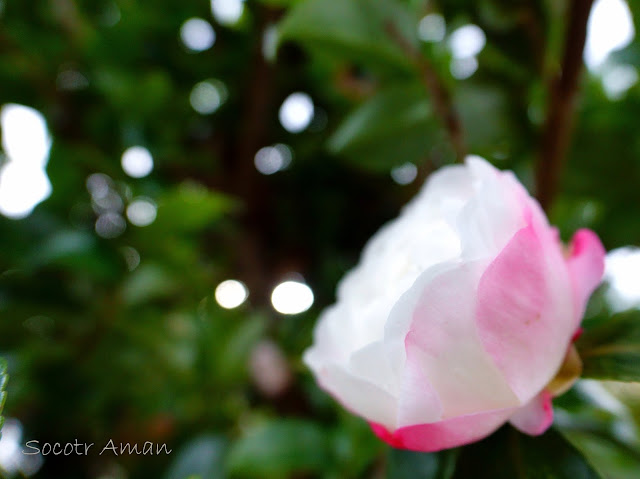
586,267
535,417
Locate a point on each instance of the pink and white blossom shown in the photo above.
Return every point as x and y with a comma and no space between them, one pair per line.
459,314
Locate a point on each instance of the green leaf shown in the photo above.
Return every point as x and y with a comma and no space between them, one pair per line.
356,30
4,378
355,447
136,94
279,449
147,283
74,251
612,458
233,354
201,457
189,207
509,454
424,465
483,111
611,350
280,3
391,128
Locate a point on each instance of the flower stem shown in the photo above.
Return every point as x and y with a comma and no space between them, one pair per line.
563,88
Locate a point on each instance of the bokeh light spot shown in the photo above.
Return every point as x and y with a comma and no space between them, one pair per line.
197,34
207,96
131,257
110,225
71,80
622,272
292,297
227,12
12,460
141,212
231,293
23,179
137,162
271,159
25,138
617,81
110,15
112,201
98,185
467,41
432,28
296,112
610,28
270,42
405,173
269,368
463,68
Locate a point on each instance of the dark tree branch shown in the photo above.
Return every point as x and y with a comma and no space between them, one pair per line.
530,22
444,108
247,184
440,96
556,134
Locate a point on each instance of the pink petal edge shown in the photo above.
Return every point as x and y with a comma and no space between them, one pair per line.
445,434
586,267
535,417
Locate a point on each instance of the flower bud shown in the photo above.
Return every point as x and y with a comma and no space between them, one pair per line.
459,314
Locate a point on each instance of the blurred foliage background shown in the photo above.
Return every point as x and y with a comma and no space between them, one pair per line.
193,142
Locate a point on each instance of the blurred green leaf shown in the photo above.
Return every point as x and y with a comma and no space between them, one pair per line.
600,427
142,95
357,30
235,351
391,128
483,111
355,447
611,350
410,464
279,449
613,459
148,282
510,454
201,457
76,251
4,378
64,244
122,337
189,207
280,3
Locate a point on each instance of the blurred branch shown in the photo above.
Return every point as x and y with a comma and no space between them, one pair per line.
563,89
67,15
247,183
440,95
531,24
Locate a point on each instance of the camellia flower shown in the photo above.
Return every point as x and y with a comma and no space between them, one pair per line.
459,316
